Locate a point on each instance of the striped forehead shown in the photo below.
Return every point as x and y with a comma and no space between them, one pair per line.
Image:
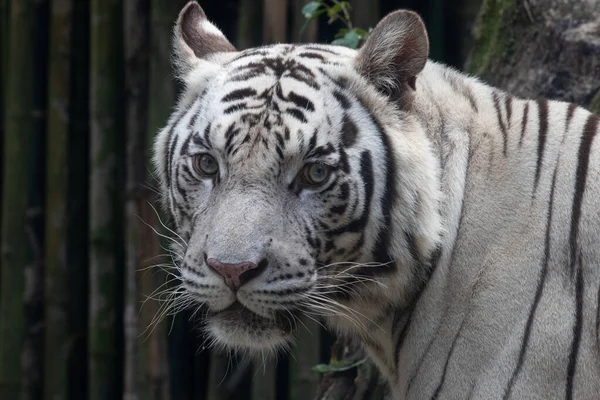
287,91
290,79
311,56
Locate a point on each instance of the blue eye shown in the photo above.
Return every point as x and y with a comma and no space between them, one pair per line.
205,164
316,174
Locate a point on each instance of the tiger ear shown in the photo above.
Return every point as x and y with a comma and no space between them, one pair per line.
196,38
394,52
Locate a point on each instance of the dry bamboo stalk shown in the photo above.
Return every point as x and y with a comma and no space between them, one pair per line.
57,340
16,170
137,45
275,21
310,33
105,93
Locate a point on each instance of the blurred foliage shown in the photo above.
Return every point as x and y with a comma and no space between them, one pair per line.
350,36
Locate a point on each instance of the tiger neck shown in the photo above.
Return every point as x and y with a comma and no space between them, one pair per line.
446,108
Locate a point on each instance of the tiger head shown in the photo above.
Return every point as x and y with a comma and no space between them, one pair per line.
297,177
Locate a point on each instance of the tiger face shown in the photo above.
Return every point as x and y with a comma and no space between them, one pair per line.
280,176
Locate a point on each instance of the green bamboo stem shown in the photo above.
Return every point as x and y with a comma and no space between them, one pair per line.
303,380
365,13
217,371
105,94
136,383
154,353
56,379
32,357
162,86
249,14
264,380
275,21
77,221
14,253
4,38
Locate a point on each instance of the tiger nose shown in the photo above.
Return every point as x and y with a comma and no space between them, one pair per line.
235,275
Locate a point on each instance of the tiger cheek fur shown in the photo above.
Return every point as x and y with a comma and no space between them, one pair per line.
449,226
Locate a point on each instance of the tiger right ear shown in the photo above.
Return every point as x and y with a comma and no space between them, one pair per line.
394,52
195,38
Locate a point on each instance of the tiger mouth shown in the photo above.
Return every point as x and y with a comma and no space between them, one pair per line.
236,313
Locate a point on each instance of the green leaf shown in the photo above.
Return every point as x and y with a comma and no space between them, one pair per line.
321,368
307,21
335,10
309,9
341,33
350,39
361,32
336,366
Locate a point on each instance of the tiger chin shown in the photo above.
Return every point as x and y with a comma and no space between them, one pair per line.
450,226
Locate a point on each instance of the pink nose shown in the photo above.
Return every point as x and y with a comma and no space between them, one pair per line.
234,274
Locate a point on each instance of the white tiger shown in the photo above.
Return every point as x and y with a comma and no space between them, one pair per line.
453,228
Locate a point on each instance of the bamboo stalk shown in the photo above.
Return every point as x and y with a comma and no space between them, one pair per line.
104,198
248,19
32,357
153,362
436,29
136,23
16,170
217,374
162,86
365,13
153,368
4,38
77,221
56,377
274,21
310,33
264,380
303,381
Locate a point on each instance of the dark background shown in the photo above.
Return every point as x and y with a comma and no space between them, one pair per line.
85,86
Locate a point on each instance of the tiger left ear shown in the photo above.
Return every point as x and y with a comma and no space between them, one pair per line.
395,52
196,38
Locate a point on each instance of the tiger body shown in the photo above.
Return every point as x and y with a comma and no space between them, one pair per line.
512,307
456,230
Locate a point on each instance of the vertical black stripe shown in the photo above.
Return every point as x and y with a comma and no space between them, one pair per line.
542,133
471,98
408,311
508,105
570,112
538,293
186,146
207,135
405,314
170,147
387,200
524,123
359,224
196,112
421,361
598,316
589,132
435,257
381,251
438,390
572,367
501,123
